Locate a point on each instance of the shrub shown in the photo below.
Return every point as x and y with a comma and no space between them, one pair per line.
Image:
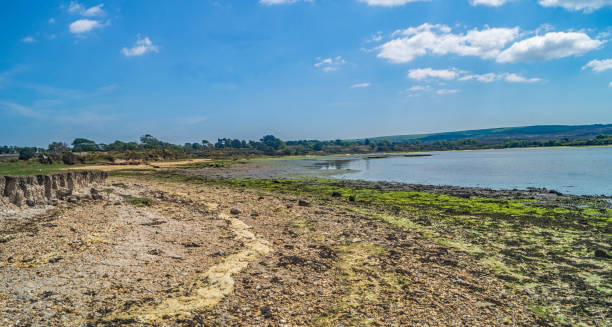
69,158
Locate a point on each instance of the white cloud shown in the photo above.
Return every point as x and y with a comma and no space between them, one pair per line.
488,43
78,9
426,73
599,65
549,46
280,2
438,39
142,46
490,3
574,5
360,85
483,78
454,74
28,39
388,3
447,91
610,85
94,11
418,88
51,20
330,64
514,78
84,25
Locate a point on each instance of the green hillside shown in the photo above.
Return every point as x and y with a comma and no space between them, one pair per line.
493,135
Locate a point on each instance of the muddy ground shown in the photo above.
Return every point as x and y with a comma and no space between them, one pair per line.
172,254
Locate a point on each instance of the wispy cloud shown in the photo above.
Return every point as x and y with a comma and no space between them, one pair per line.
280,2
461,75
142,46
388,3
78,9
425,73
576,5
21,110
28,39
360,85
447,91
329,64
599,65
490,3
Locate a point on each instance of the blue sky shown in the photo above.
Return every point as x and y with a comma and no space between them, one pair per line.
191,70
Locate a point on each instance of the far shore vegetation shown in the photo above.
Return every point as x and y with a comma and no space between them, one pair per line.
85,151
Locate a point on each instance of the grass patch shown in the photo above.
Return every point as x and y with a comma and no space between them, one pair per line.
29,168
138,202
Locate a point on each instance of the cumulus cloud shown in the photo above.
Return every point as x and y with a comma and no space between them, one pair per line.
610,85
329,64
501,44
360,85
388,3
85,25
439,39
78,9
490,3
28,39
549,46
575,5
426,73
142,46
599,65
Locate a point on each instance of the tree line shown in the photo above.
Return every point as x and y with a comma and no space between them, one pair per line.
151,148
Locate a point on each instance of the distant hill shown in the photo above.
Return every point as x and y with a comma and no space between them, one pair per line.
496,135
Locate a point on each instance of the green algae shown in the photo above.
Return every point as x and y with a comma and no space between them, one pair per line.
545,251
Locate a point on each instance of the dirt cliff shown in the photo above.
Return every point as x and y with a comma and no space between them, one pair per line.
45,189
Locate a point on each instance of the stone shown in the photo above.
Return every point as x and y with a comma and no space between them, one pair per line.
235,211
303,203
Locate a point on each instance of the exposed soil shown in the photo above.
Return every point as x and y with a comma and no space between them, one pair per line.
171,254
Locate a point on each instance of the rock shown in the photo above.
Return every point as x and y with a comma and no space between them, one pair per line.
94,191
63,193
336,194
254,214
303,203
235,211
599,253
72,199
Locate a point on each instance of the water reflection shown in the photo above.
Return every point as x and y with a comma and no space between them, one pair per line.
337,164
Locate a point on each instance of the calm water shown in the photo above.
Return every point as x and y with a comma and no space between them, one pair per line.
568,170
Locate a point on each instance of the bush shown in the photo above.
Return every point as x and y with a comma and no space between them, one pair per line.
69,158
26,154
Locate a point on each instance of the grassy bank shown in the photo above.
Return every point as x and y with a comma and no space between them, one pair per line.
29,168
556,253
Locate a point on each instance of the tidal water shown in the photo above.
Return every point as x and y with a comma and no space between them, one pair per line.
581,171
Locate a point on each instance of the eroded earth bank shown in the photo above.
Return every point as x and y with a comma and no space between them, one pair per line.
168,253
